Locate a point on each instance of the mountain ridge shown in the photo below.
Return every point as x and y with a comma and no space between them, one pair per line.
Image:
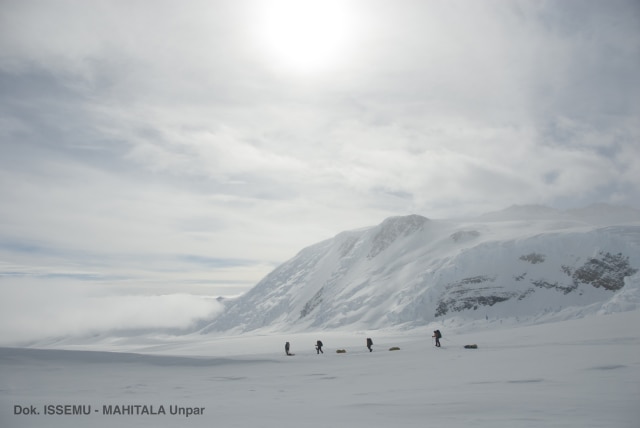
410,271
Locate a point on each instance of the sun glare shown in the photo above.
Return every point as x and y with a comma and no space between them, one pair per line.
304,35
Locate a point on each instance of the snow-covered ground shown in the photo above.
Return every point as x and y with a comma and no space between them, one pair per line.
577,373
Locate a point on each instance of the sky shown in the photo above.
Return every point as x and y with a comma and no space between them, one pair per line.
185,149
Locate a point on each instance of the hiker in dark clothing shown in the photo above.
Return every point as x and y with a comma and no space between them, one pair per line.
286,348
319,347
437,335
369,344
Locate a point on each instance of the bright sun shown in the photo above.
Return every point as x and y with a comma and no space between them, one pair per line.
304,35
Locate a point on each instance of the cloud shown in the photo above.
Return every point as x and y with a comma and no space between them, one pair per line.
32,311
159,146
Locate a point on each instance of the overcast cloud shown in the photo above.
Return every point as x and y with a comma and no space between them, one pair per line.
162,148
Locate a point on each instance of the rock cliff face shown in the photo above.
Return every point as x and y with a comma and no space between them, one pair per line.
409,271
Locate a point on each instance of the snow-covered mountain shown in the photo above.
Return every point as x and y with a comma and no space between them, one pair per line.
525,262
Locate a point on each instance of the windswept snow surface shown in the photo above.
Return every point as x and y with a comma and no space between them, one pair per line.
578,373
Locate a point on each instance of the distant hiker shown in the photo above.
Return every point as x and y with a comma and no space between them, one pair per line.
319,347
286,348
437,335
369,344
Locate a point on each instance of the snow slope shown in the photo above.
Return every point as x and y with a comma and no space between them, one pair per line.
577,373
524,262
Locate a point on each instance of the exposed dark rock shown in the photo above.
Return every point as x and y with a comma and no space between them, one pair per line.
465,235
311,304
520,277
607,271
566,289
533,258
525,293
471,302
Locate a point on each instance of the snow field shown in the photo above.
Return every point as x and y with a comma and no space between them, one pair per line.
583,372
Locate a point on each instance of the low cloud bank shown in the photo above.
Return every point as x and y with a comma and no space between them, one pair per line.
36,312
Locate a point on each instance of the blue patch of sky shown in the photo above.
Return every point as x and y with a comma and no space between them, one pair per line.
551,177
215,262
83,276
63,275
25,247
